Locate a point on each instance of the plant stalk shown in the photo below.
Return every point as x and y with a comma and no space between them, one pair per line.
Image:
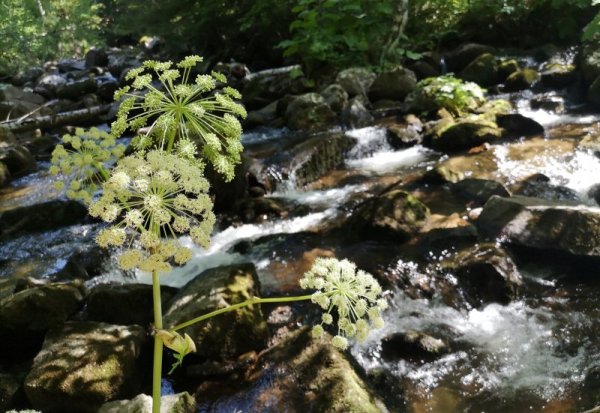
158,344
251,301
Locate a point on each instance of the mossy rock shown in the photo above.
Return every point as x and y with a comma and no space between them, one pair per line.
483,70
308,375
492,108
229,334
395,215
83,365
522,79
556,74
466,134
506,67
309,112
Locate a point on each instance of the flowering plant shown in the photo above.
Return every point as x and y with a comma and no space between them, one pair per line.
159,193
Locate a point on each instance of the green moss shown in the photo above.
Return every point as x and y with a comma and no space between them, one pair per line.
446,92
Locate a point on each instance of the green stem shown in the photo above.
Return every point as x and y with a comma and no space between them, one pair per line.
251,301
158,344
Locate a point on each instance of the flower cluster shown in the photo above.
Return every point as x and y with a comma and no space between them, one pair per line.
150,196
354,294
176,111
82,158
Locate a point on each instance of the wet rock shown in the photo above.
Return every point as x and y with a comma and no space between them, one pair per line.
355,115
313,158
441,174
173,403
484,70
40,217
229,334
395,84
302,374
266,116
424,69
522,79
518,125
29,75
412,345
356,81
336,97
539,186
261,209
555,74
590,143
40,308
395,215
466,134
226,194
478,190
460,57
124,304
439,240
403,136
83,365
9,388
486,274
107,87
309,112
17,159
542,224
507,67
96,57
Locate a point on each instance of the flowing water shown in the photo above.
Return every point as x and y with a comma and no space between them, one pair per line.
533,354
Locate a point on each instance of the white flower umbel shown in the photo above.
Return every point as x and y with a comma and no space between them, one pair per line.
81,159
354,294
149,197
178,110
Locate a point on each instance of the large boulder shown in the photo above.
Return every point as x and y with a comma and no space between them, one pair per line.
517,125
356,81
466,134
484,70
83,365
542,224
394,215
303,374
336,97
228,334
309,112
395,84
172,403
485,274
355,114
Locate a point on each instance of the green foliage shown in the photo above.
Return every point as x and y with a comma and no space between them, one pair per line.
339,33
32,31
447,92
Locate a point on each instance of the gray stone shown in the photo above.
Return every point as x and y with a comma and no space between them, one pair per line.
542,224
309,112
336,97
478,190
355,115
484,70
356,81
83,365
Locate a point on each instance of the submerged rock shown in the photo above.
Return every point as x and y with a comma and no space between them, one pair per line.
228,334
412,345
172,403
395,215
542,224
303,374
83,365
